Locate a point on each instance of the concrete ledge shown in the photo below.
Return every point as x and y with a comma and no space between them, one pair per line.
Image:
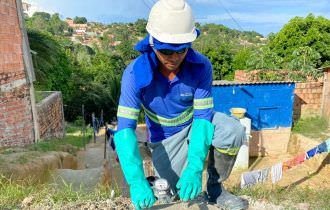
269,142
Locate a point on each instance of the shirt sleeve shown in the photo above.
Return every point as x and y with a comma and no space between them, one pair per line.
203,100
129,102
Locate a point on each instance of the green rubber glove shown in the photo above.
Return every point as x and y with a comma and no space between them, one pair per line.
190,182
131,163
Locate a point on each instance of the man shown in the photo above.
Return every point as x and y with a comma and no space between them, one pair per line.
172,83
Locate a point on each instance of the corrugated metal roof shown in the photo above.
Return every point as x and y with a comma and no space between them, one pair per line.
227,83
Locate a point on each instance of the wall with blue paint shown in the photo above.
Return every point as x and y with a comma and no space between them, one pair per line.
268,105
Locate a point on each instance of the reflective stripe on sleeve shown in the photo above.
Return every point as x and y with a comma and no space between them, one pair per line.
203,103
128,112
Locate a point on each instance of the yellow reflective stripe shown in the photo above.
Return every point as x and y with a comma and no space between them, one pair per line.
182,118
228,151
203,103
128,112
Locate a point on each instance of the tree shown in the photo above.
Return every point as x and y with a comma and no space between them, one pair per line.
52,66
221,60
140,25
126,49
264,58
240,59
79,20
57,26
306,59
45,22
39,21
300,32
43,15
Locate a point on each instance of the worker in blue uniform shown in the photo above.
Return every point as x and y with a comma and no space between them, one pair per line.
171,83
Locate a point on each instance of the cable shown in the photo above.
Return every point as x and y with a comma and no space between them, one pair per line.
147,5
153,1
228,12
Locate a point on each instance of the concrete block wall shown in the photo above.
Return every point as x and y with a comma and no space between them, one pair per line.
16,124
51,116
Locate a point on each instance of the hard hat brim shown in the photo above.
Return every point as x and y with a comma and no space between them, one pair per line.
175,38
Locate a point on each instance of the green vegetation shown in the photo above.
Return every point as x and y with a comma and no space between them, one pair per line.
311,126
289,196
80,20
312,32
72,142
43,21
57,144
13,193
90,73
26,157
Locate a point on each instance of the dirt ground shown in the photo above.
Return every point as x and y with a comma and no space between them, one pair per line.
313,173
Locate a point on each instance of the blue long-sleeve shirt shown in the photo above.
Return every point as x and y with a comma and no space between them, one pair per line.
169,106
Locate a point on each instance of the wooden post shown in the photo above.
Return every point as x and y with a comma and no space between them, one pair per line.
83,126
325,103
105,141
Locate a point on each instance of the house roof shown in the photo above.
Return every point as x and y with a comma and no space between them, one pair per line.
228,83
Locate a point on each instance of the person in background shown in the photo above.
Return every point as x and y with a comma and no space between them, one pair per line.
171,82
110,135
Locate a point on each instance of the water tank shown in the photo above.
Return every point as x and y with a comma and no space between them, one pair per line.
242,161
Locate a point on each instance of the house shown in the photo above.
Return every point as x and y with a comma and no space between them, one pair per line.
22,121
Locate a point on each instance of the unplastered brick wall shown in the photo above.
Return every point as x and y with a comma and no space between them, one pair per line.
16,128
51,116
16,124
246,76
308,99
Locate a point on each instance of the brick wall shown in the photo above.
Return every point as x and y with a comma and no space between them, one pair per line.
308,99
51,116
246,76
16,124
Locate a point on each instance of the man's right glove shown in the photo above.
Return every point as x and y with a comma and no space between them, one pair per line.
131,163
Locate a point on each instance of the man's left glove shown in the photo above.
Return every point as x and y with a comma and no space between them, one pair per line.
131,163
190,182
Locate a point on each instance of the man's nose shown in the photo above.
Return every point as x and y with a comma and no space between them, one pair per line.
175,57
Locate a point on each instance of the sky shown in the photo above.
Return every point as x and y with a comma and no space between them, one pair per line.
262,16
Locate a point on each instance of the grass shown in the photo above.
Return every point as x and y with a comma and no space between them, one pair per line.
77,141
313,127
25,157
13,193
57,144
288,197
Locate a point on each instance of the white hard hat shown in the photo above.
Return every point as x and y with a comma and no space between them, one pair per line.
172,21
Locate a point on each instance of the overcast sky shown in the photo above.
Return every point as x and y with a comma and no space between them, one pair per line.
263,16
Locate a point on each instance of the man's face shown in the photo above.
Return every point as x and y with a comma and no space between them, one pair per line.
171,60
